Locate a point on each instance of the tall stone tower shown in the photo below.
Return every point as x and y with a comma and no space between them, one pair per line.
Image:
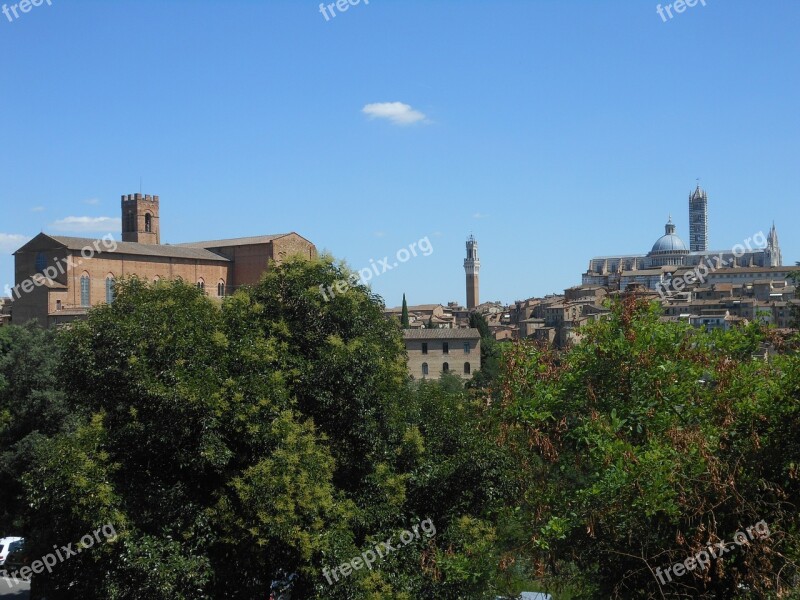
698,220
472,267
140,219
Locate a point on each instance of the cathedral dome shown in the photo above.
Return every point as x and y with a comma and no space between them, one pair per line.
670,242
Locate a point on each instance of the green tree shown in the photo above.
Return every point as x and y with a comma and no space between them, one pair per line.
404,323
275,431
644,444
32,408
194,451
491,351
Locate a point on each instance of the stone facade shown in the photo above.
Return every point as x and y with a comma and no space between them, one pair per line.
432,352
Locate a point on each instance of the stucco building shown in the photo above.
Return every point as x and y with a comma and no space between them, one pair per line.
432,352
59,278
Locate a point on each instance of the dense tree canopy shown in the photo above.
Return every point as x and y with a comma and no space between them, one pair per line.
646,443
32,408
277,430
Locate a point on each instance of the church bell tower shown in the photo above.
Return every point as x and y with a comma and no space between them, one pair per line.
140,219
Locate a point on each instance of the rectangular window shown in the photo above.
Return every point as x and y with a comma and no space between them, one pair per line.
424,347
445,348
466,348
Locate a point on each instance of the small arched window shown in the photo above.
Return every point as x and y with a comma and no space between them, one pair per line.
467,369
41,262
110,289
446,368
148,223
58,304
201,285
86,297
221,289
424,369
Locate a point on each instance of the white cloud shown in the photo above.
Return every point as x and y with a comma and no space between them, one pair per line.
38,209
478,215
380,234
92,201
87,224
396,112
11,242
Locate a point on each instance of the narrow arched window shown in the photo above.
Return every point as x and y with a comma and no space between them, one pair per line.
148,223
446,368
221,289
467,369
424,369
201,285
41,262
85,291
110,289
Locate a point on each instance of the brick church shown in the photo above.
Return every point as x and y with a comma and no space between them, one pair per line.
59,278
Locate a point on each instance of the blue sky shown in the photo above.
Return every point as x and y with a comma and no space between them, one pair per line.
552,130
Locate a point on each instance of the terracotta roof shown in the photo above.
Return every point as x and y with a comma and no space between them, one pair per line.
417,308
730,270
243,241
162,250
438,334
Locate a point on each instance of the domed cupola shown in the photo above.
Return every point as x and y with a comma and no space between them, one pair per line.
669,249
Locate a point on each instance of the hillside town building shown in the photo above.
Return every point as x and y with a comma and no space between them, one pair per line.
432,352
58,279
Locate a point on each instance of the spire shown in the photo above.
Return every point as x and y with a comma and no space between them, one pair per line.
774,248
